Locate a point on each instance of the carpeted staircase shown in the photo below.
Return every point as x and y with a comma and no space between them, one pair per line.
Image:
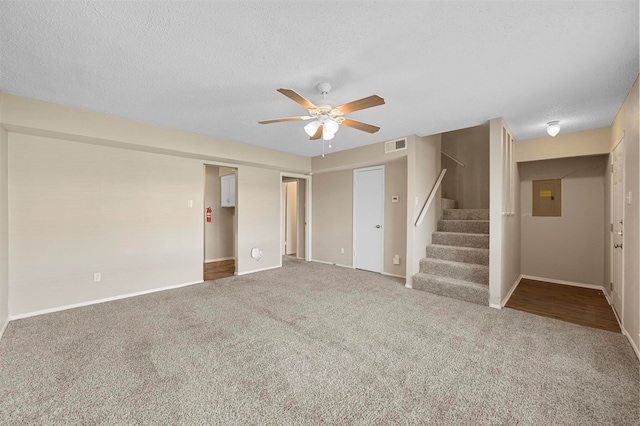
457,262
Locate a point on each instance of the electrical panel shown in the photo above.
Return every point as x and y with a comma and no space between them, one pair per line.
547,197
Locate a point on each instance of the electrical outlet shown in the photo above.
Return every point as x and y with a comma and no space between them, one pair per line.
97,277
342,250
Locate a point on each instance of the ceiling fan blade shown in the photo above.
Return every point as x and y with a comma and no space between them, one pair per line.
360,125
279,120
317,134
298,98
371,101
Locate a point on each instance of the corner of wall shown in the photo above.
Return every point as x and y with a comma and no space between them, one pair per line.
495,210
423,169
4,229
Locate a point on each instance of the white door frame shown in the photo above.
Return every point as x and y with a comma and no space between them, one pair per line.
307,213
612,201
364,169
287,217
235,222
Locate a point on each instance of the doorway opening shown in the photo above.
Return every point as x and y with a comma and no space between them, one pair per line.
295,216
219,222
290,218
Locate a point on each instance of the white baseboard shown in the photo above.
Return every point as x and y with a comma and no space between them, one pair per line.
4,327
218,260
513,288
571,283
95,302
331,263
393,275
595,287
615,314
407,285
633,344
495,306
258,270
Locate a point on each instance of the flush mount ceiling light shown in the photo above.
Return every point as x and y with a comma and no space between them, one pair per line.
553,128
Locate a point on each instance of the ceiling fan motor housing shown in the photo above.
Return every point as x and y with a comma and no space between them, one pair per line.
323,88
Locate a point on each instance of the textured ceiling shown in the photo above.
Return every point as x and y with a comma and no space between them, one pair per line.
214,67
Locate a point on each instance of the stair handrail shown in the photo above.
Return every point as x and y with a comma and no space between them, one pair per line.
451,157
430,198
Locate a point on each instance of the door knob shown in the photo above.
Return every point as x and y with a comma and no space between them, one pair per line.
378,226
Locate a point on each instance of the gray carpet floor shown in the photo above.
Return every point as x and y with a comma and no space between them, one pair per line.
311,344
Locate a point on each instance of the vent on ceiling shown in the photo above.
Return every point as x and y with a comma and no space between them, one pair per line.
392,146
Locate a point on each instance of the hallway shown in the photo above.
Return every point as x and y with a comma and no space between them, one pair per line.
577,305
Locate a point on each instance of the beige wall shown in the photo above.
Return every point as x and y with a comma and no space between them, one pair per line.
258,212
130,143
218,234
332,217
576,144
626,123
469,184
395,229
24,115
569,247
76,209
364,156
332,207
423,169
4,230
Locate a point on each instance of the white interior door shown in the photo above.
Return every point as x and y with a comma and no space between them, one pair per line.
368,218
617,238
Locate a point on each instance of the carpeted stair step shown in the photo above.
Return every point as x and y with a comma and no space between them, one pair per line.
462,271
461,239
465,226
465,214
451,287
478,256
448,203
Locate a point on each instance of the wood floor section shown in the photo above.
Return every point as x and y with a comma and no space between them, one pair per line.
221,269
577,305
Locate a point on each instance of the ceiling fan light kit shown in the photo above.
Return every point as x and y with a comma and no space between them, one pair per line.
312,127
330,126
328,118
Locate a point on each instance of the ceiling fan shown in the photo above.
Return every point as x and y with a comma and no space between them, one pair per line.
328,117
